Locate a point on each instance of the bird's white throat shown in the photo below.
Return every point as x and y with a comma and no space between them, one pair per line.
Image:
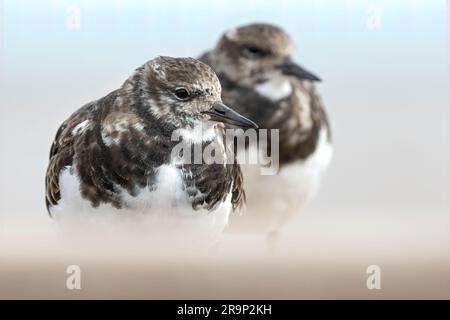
199,133
276,88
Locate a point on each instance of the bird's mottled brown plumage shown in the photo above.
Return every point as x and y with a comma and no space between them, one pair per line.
262,82
297,141
239,74
126,136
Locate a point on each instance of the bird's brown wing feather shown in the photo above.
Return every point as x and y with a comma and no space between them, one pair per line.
61,155
238,193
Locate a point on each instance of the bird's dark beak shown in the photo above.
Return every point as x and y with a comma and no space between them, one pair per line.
220,112
290,68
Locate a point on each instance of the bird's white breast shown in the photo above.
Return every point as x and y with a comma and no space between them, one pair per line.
276,88
165,208
167,193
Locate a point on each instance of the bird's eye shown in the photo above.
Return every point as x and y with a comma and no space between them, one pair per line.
182,94
254,52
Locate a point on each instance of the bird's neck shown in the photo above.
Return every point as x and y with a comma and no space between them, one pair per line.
299,117
198,132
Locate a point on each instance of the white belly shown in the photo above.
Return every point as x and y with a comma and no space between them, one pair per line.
166,210
273,200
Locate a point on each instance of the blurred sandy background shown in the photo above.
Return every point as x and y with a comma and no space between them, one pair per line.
384,202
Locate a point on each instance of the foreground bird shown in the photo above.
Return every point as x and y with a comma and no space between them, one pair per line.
114,154
261,81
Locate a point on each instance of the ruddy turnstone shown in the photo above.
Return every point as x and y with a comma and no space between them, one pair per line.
260,79
115,154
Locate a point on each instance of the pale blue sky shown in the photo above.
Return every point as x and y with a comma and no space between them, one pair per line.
142,29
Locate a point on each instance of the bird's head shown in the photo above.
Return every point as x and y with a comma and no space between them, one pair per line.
181,91
254,53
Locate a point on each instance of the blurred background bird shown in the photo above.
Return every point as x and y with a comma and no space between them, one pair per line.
114,155
261,81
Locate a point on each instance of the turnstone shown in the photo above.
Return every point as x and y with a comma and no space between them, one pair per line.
260,79
115,154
